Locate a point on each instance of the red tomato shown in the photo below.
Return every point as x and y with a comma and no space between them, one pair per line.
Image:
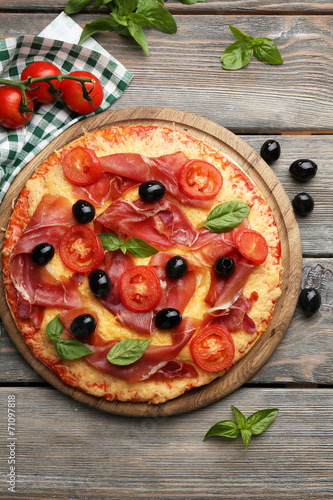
213,349
81,166
72,93
140,289
10,101
39,69
252,245
200,180
81,249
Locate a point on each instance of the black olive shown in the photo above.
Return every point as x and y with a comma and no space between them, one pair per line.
310,300
303,204
225,266
42,253
303,170
270,151
176,267
167,318
83,325
151,191
83,211
99,282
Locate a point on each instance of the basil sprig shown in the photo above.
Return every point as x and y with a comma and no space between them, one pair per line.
239,53
135,246
253,425
128,17
127,352
66,348
226,216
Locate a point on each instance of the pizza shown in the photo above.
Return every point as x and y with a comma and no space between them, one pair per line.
140,263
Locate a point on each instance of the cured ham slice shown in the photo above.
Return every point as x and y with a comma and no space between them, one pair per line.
163,223
237,316
218,282
165,169
35,286
157,362
108,187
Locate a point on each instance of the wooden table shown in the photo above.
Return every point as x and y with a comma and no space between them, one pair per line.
65,450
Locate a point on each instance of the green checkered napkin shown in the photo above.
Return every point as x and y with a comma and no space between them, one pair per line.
18,147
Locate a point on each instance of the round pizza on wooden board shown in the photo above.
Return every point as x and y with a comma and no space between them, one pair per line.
134,360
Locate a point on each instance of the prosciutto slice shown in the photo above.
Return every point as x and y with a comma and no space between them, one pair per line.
237,316
157,362
162,223
108,187
35,286
165,169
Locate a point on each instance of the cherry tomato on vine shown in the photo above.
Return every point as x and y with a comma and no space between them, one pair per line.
11,115
81,166
140,289
252,245
37,69
81,249
72,93
213,349
200,180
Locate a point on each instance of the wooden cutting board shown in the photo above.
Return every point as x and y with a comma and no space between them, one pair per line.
264,178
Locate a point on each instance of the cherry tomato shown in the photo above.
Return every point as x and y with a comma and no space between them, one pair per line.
37,69
252,245
81,166
10,114
81,249
72,93
200,180
140,289
213,349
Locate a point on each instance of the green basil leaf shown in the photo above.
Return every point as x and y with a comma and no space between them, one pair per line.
54,328
241,419
140,19
71,349
267,52
127,352
236,56
101,24
246,436
128,6
139,36
123,20
225,428
226,216
140,248
75,6
122,30
110,241
158,15
260,420
243,37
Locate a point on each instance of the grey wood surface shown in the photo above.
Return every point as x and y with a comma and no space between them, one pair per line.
69,451
66,451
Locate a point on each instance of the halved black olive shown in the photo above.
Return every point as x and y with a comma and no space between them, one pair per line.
225,266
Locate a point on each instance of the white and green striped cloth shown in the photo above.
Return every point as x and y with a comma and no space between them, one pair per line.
18,147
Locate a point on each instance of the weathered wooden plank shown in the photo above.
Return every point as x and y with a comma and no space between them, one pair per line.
293,96
209,6
67,451
305,354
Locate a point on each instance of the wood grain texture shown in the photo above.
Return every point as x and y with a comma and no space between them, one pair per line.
68,451
184,71
268,184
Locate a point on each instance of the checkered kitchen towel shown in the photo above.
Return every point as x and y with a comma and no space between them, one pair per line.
18,147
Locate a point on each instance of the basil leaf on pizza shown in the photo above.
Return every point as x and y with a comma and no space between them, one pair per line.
71,349
140,248
54,328
127,352
226,216
111,241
